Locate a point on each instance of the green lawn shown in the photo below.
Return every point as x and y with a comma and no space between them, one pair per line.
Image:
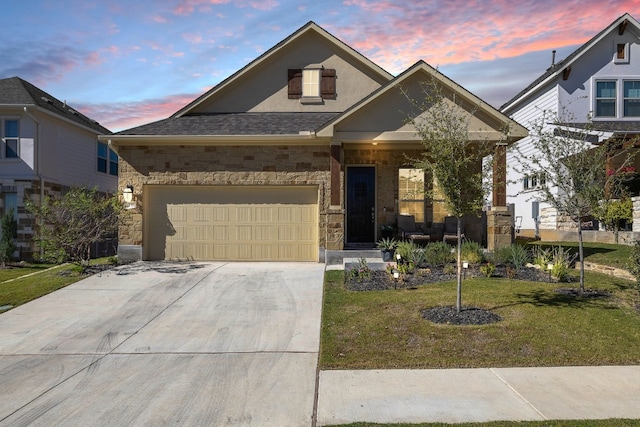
547,423
599,253
48,278
539,327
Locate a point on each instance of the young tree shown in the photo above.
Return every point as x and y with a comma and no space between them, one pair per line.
569,162
68,226
7,232
451,157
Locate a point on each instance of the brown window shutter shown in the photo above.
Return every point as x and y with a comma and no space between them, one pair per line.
328,84
295,83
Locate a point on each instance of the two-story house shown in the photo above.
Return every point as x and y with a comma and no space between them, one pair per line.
45,147
598,84
304,150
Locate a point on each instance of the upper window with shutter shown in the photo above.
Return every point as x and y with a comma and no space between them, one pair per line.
312,83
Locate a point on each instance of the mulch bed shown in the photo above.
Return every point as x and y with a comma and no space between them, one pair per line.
382,280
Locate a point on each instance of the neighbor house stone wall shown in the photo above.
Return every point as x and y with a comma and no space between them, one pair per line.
227,165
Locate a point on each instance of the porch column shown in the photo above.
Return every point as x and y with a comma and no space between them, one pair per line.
500,175
499,218
335,213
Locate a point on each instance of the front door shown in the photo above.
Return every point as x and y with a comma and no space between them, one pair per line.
361,196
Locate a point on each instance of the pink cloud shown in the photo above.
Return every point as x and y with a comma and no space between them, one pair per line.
187,7
118,116
397,34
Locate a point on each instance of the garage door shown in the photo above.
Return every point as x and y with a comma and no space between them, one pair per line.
266,223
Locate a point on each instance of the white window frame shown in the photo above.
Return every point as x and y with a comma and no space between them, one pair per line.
533,181
619,98
625,52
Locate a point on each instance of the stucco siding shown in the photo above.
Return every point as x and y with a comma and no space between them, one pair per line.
264,87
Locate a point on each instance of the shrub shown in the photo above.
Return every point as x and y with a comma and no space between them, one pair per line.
360,271
562,260
438,253
519,256
472,252
488,269
542,256
404,249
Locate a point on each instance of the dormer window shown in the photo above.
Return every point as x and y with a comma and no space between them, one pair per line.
313,83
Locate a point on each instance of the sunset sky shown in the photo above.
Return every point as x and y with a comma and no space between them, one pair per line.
126,63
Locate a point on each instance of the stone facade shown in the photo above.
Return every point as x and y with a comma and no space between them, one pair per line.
27,189
228,165
499,228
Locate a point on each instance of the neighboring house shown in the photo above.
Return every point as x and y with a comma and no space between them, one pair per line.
46,146
600,80
306,149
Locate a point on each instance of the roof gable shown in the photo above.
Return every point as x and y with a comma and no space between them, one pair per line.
624,23
15,91
383,114
242,91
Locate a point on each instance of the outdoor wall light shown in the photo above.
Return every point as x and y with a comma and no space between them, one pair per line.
127,193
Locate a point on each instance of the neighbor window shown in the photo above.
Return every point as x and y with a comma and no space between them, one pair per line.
621,55
606,99
411,193
534,181
11,138
107,160
631,98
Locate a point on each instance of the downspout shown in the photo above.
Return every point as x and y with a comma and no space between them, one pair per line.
36,160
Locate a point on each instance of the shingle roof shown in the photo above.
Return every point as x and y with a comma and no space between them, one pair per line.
609,126
16,91
234,124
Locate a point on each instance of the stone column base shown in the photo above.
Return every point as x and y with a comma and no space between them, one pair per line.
129,253
499,228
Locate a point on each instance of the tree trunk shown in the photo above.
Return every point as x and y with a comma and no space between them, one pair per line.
581,257
459,265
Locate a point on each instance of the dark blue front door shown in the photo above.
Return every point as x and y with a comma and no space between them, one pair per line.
361,204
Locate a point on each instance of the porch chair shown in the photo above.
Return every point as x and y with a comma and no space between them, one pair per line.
407,227
451,229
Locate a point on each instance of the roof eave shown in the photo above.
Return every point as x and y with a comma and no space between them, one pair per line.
168,140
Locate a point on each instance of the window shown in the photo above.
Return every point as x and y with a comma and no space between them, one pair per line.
411,193
107,160
621,55
316,83
632,98
311,83
606,99
534,181
11,138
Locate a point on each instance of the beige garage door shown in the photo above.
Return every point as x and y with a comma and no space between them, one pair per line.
266,223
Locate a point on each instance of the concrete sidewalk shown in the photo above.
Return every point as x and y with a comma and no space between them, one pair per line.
478,395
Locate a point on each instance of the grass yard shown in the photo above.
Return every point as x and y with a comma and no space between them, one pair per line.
539,327
48,278
548,423
599,253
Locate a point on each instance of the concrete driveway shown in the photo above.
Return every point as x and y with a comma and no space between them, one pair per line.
167,344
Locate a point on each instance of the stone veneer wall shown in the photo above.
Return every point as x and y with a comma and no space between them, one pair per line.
26,247
227,165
